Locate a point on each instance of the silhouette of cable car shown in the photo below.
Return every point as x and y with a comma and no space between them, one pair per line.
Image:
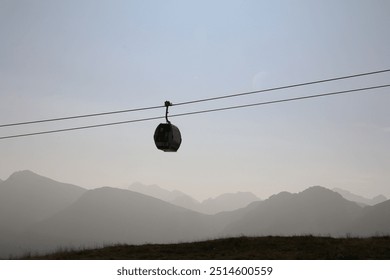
167,136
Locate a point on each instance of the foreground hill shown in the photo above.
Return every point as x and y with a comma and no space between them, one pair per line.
266,248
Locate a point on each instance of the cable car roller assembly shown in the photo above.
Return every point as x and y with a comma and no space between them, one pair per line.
167,136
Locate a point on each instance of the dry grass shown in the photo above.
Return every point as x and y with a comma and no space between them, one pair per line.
247,248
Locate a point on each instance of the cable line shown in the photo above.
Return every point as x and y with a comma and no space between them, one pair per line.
79,128
280,101
282,87
200,112
82,116
196,101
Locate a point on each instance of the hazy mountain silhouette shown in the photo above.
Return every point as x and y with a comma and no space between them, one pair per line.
108,215
360,199
223,219
374,220
188,202
224,202
228,202
174,197
316,210
26,198
155,191
40,214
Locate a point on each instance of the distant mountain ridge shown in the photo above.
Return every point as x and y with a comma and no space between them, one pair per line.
39,214
360,199
221,203
155,191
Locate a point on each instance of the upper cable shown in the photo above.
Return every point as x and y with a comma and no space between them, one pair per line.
195,101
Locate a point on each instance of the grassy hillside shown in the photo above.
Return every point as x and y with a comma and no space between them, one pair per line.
271,248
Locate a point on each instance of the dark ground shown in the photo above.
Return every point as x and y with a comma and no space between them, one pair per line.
246,248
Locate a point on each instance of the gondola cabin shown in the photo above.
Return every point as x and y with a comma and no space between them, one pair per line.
167,137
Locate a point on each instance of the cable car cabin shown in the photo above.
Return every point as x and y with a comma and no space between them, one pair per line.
167,137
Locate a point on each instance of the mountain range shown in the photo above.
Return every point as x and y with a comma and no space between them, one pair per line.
360,199
223,202
38,214
316,210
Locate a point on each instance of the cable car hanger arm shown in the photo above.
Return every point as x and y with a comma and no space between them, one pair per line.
167,104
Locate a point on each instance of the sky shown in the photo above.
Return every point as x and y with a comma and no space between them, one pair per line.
64,58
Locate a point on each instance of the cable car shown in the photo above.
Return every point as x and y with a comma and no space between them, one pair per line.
167,136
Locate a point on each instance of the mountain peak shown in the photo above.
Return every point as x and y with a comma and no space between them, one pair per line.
320,192
317,189
280,196
23,174
27,180
27,177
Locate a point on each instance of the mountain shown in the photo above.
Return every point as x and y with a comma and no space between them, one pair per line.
174,197
188,202
38,214
155,191
108,215
374,221
224,202
228,202
316,210
360,199
26,198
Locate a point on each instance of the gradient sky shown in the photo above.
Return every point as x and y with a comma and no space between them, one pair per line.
60,58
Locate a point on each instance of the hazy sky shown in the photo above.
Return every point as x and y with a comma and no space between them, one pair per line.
60,58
